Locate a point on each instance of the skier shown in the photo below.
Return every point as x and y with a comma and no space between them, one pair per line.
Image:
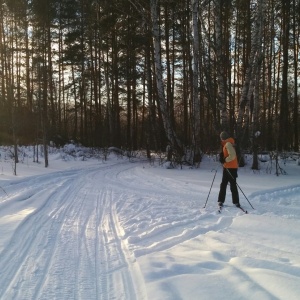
228,158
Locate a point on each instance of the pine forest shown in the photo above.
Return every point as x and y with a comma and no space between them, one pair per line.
147,74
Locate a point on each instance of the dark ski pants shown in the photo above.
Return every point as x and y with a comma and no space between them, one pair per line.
229,176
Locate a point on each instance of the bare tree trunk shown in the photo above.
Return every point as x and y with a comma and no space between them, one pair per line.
152,109
196,101
170,133
296,62
283,135
11,99
45,112
254,125
220,57
169,99
108,94
75,126
252,69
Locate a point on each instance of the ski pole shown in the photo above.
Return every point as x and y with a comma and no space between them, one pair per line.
239,188
211,187
3,190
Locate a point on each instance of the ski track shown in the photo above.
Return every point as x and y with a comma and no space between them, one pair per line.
75,228
82,239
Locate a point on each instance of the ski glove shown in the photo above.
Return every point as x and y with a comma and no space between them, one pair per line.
221,158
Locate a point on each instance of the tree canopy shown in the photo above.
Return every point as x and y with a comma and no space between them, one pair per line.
145,74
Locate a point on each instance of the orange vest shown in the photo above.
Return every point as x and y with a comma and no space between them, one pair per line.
234,163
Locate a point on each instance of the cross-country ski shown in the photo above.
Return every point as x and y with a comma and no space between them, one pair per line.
220,208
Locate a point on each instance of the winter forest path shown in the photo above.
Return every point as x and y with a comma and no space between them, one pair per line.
128,231
69,247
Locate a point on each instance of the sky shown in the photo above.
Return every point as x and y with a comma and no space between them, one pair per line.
89,228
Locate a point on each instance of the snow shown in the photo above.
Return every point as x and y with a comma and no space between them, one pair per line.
89,228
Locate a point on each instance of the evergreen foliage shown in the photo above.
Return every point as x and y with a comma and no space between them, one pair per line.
132,74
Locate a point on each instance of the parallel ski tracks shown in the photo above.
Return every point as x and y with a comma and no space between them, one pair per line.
69,247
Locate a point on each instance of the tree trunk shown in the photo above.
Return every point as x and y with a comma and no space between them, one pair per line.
296,63
221,64
169,131
196,101
251,71
284,101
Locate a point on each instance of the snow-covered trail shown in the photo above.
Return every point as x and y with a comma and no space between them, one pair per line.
128,231
69,246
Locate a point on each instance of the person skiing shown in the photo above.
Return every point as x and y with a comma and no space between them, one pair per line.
229,160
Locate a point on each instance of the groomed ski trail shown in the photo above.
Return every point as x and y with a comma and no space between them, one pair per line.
70,246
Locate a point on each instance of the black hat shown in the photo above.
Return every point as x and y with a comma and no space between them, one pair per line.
224,135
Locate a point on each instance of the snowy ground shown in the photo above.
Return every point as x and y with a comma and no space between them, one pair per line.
130,230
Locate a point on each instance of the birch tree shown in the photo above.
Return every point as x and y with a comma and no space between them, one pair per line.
169,130
92,69
254,127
